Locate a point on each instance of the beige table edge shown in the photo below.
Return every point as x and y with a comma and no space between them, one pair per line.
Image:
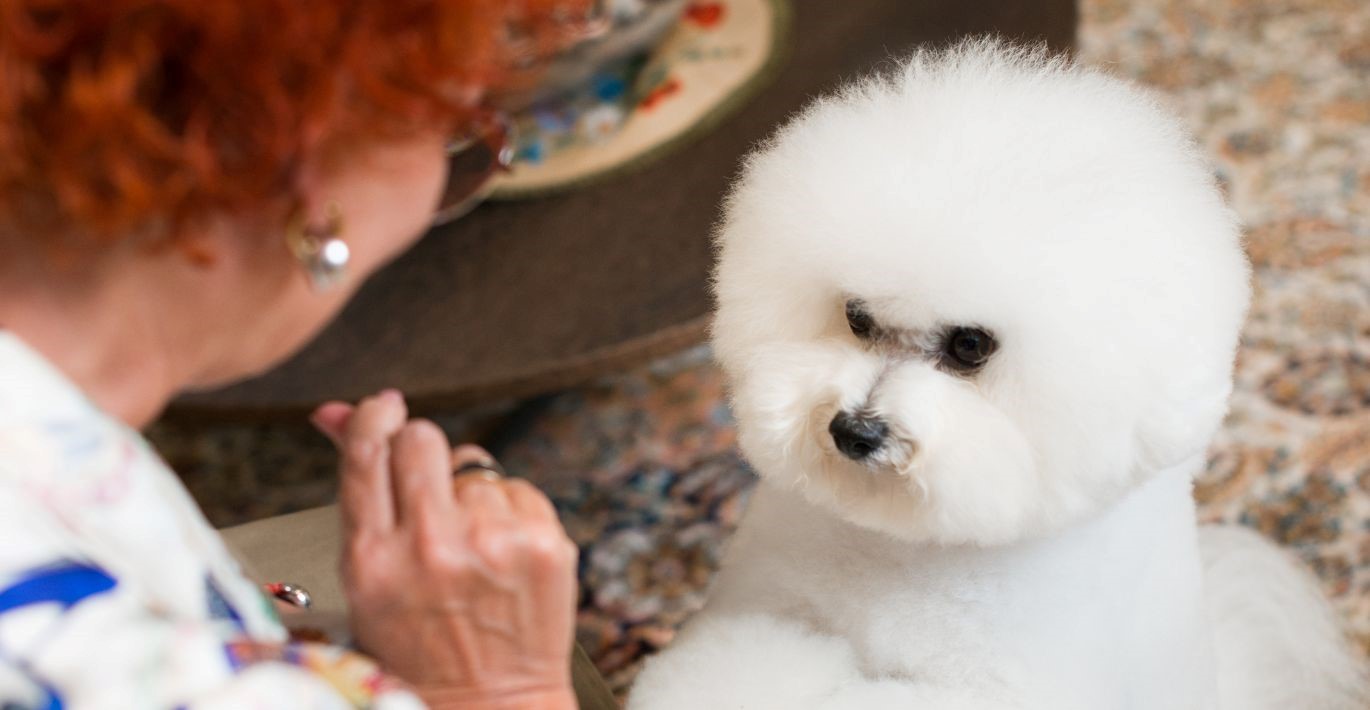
303,548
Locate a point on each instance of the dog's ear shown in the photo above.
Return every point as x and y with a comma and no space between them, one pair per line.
1180,424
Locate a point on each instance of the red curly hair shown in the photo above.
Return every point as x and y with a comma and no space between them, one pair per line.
124,117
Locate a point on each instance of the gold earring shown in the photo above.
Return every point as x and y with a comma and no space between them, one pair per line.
320,250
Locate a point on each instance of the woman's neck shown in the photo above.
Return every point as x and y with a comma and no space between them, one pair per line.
110,340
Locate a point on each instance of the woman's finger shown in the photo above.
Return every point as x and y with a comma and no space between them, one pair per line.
472,465
529,503
421,471
331,420
365,492
478,494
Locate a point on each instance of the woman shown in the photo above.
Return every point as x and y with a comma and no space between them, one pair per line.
189,191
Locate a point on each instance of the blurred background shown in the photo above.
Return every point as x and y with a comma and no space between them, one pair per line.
611,404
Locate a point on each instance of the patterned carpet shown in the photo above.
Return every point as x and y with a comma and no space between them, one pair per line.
1279,93
643,466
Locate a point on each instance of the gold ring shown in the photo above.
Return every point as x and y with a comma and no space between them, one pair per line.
480,469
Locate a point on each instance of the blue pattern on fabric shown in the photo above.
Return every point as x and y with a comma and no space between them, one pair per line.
78,439
50,700
219,608
66,583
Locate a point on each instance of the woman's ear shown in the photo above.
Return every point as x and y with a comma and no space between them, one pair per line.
254,244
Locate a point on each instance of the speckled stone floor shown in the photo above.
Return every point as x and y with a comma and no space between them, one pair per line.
643,467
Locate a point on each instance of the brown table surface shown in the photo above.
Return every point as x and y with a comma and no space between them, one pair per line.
523,297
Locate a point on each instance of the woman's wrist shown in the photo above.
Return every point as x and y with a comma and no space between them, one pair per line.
558,697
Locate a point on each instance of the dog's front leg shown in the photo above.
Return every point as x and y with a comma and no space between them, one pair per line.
752,661
765,662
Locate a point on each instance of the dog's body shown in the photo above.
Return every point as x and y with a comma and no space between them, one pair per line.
1115,614
862,621
979,322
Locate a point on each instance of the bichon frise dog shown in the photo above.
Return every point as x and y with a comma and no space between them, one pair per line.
979,319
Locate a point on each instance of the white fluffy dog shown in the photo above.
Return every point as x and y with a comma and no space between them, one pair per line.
979,318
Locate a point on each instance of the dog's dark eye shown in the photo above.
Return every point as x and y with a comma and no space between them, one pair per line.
859,320
967,349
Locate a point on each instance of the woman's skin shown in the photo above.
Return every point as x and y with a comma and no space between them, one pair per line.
137,327
465,590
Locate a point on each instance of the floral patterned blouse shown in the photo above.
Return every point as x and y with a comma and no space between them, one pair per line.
115,592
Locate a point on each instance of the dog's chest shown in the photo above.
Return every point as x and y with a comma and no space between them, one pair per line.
924,618
903,614
1054,616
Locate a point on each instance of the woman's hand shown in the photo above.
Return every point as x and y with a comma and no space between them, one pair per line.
464,587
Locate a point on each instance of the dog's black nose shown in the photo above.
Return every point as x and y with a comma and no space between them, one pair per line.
857,436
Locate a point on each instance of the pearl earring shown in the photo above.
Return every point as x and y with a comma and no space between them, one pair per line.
320,250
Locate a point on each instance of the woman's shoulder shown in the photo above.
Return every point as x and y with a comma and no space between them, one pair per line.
52,440
81,483
32,390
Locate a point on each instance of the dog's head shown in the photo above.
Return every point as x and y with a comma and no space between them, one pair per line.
977,299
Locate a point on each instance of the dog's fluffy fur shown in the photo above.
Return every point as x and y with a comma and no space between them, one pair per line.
1024,535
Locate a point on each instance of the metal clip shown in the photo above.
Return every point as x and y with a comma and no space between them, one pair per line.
292,594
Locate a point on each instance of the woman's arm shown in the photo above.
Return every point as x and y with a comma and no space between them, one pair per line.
474,606
75,632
